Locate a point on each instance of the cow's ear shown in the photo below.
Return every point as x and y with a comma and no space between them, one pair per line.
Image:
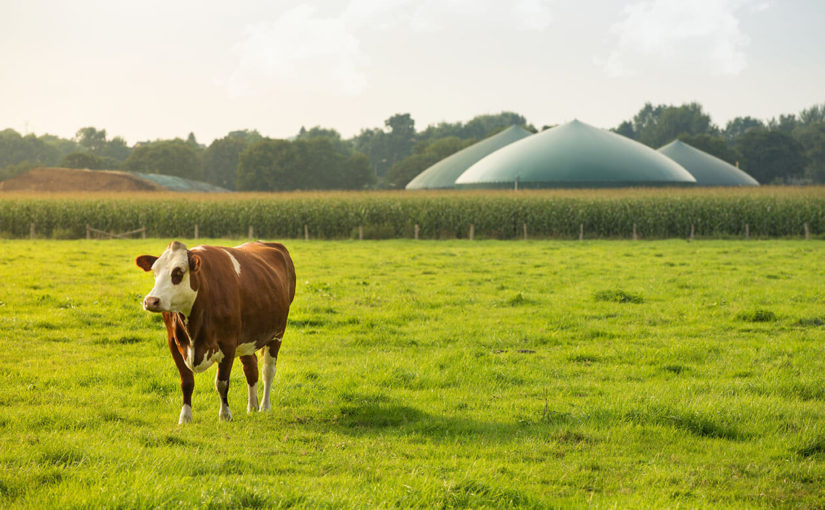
194,262
145,262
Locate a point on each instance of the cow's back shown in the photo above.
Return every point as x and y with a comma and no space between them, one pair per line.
266,289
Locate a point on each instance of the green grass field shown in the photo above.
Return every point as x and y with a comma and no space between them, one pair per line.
431,374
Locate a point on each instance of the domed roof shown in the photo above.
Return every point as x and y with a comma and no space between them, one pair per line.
575,155
708,170
444,173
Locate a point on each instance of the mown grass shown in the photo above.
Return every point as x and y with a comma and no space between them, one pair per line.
433,375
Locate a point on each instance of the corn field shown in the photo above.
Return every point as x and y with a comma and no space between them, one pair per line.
765,212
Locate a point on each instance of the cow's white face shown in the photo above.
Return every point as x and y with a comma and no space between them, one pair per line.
172,270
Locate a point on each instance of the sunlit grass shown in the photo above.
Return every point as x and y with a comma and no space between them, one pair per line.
431,374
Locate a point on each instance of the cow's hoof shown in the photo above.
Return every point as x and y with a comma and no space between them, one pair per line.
225,415
185,415
251,409
264,407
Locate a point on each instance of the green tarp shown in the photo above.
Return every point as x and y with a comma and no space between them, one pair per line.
444,173
575,155
708,170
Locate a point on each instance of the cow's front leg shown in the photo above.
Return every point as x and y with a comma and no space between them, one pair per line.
250,370
270,359
222,385
187,383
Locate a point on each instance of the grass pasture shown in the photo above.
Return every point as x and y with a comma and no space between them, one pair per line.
431,374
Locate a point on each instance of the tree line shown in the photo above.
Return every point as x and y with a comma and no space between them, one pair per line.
788,149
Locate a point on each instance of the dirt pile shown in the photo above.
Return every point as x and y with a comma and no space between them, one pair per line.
70,179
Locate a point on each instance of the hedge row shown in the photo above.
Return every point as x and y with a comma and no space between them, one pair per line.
767,212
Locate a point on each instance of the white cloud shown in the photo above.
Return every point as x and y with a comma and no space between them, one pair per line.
701,35
307,48
299,47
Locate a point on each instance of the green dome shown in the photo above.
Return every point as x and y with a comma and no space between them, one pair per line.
708,170
575,155
444,173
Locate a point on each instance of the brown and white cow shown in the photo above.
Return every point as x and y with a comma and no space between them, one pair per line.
218,303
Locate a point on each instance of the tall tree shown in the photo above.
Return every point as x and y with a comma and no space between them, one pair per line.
813,115
169,157
425,154
771,156
785,123
81,160
401,137
812,138
15,149
220,161
739,126
713,145
91,139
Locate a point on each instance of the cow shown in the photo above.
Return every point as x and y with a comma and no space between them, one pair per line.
218,303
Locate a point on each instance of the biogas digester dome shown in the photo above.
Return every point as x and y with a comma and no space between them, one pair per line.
706,169
574,155
444,173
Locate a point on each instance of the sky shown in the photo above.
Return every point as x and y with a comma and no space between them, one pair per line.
159,69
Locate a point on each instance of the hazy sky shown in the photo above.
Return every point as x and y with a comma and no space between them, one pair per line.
160,69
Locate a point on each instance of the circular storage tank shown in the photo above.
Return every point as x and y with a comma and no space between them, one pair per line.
574,155
443,174
706,169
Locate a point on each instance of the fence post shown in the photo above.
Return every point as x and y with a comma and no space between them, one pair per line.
31,230
196,230
635,236
416,231
88,232
525,231
807,232
306,232
360,232
691,231
581,231
250,232
472,231
143,232
747,231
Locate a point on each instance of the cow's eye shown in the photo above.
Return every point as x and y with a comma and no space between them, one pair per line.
177,275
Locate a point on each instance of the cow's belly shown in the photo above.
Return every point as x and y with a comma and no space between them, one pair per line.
247,349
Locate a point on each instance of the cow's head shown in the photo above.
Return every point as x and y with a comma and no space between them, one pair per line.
173,290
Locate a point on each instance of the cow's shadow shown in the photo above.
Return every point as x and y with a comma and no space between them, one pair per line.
392,418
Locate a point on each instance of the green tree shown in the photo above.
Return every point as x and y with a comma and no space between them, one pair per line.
714,145
658,125
785,123
771,156
81,160
116,149
91,139
112,153
169,157
813,115
812,138
220,161
373,143
264,166
626,129
739,126
425,154
311,163
401,137
15,149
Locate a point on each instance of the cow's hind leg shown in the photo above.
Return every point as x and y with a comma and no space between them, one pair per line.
250,370
222,385
268,370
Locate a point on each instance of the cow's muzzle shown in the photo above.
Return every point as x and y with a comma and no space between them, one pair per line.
151,304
